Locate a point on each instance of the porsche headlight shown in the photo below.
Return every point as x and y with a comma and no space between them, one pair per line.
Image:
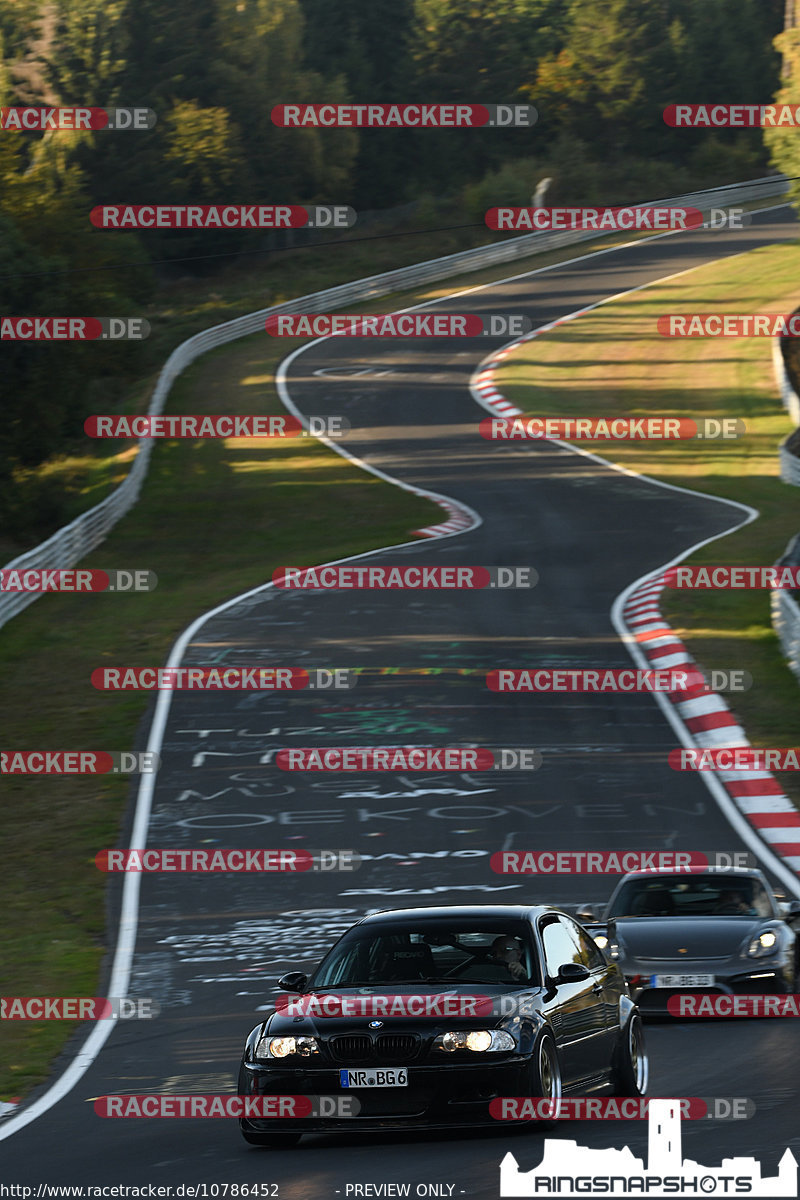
479,1040
282,1047
765,943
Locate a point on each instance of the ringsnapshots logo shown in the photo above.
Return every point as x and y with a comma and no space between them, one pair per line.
399,325
404,116
218,426
73,329
47,120
346,578
570,1170
223,216
611,429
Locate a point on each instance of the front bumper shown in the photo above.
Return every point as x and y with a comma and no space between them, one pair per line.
438,1096
757,980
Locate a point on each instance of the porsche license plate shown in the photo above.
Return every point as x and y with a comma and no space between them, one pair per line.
681,981
373,1077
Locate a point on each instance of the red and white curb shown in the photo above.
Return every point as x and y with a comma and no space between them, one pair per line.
757,794
704,716
482,385
458,520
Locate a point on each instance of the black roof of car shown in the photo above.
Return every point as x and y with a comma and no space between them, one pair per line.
445,912
732,872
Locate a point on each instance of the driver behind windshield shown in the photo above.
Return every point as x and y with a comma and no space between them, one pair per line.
508,950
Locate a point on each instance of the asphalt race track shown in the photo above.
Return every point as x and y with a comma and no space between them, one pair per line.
209,948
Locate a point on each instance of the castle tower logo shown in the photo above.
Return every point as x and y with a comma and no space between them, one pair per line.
568,1169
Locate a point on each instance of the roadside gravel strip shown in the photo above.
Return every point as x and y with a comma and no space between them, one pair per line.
753,801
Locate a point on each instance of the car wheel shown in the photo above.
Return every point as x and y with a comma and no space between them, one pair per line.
545,1077
269,1141
632,1072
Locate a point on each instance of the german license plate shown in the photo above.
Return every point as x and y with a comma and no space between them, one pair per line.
681,981
373,1077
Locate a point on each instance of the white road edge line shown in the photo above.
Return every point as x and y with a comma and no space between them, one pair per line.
129,915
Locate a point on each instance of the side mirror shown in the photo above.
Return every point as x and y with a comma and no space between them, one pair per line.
585,913
572,972
791,910
295,981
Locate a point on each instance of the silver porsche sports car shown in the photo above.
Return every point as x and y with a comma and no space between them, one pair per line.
721,931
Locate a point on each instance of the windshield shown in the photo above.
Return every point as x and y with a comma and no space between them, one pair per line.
444,954
692,896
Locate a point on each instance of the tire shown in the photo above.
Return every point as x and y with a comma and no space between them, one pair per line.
632,1071
270,1141
545,1077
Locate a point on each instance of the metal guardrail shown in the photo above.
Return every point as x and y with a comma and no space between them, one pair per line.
784,608
69,544
790,463
786,623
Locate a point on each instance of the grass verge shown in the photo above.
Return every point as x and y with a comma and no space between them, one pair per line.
215,518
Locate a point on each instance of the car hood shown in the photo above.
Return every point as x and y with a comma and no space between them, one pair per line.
698,937
359,1007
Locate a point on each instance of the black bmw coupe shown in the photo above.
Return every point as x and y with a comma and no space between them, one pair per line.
421,1018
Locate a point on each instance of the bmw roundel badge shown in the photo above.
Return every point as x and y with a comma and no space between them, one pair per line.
376,1025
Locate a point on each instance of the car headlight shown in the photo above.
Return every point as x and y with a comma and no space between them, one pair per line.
765,943
282,1047
479,1040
